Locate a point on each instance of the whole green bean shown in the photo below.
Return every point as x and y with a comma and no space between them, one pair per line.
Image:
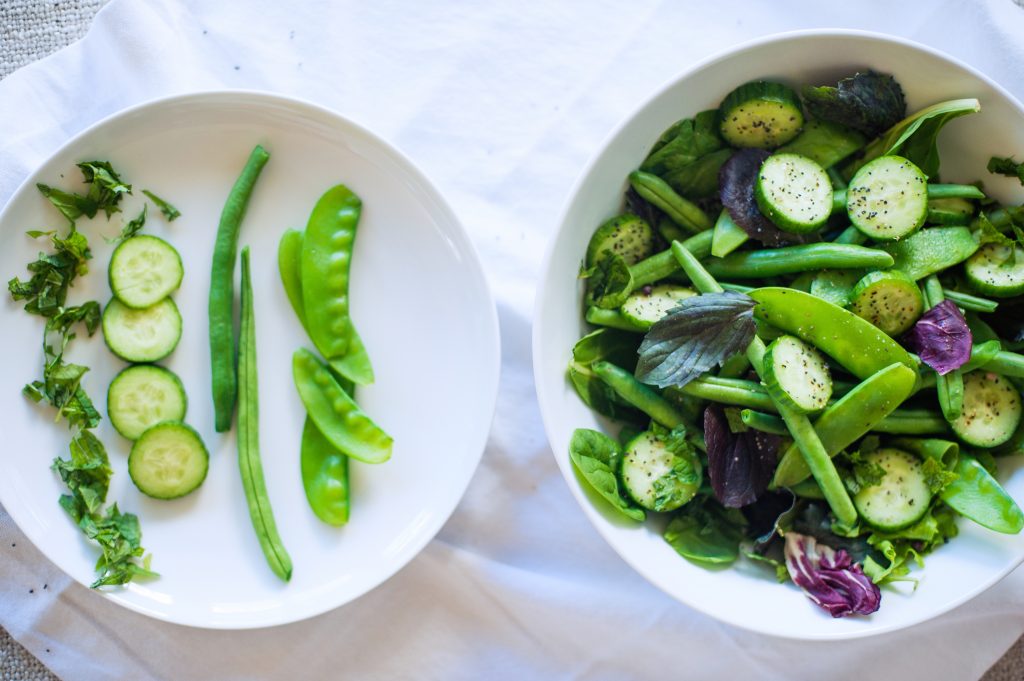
289,249
949,386
851,235
222,291
792,259
612,318
664,264
766,423
734,367
324,476
670,231
337,416
736,394
969,302
249,436
736,288
935,191
1007,364
981,354
912,422
683,212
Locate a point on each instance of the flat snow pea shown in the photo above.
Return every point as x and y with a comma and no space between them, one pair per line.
932,250
850,418
975,494
326,258
289,250
324,476
335,413
856,344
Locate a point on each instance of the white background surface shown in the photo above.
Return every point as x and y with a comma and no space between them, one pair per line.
501,105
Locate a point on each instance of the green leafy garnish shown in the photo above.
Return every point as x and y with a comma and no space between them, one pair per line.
52,273
131,229
695,336
105,191
936,476
595,456
609,282
1007,167
169,211
706,532
869,102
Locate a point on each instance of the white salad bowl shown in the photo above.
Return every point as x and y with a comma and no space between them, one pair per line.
746,595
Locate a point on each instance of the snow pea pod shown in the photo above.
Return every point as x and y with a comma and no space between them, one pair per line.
337,416
326,258
289,250
222,291
683,212
324,476
850,418
975,494
792,259
932,250
855,343
249,462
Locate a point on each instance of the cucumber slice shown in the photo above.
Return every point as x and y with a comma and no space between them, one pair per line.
144,270
991,411
655,478
888,299
932,250
142,396
888,198
651,303
145,335
997,271
953,211
760,114
794,192
901,498
796,375
625,235
169,460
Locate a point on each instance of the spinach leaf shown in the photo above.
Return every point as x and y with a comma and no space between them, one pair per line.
1006,166
706,533
695,336
611,345
169,211
869,102
689,155
596,456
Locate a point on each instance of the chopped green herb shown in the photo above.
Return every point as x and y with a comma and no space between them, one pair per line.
1006,166
131,229
169,211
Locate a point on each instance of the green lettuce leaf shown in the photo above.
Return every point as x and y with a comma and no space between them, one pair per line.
596,456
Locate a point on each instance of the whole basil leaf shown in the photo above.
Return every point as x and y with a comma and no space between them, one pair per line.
596,456
869,102
740,465
694,337
941,338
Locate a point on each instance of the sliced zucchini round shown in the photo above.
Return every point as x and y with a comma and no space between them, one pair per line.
888,299
796,375
651,303
143,395
996,270
902,496
145,335
794,192
951,211
626,235
168,461
655,477
760,114
991,411
144,270
888,198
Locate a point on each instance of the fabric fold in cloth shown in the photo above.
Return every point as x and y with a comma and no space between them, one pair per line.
502,105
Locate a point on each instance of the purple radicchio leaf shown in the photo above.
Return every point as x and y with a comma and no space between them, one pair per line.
740,465
736,179
941,338
830,578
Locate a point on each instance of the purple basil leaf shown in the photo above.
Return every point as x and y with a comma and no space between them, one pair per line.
830,578
740,465
765,515
941,338
694,337
736,179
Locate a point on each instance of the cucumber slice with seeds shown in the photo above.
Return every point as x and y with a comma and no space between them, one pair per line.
651,303
625,235
145,335
888,299
142,396
144,270
902,496
761,114
888,198
796,375
168,461
656,478
997,271
991,411
953,211
794,192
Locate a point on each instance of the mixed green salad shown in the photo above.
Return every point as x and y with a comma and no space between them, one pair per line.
808,342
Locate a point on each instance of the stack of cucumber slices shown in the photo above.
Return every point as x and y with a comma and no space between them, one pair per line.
146,403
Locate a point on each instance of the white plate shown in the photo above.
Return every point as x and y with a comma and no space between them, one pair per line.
419,298
746,596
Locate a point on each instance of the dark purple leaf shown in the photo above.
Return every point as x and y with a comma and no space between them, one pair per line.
740,465
941,338
694,337
765,515
830,578
736,180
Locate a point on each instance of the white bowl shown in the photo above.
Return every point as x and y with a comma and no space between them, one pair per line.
747,596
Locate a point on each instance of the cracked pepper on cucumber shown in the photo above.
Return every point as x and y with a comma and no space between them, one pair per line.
813,364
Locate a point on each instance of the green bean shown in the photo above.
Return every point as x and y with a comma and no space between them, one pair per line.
288,253
793,259
736,288
702,280
612,318
1007,364
663,264
222,291
766,423
326,258
324,476
969,302
851,235
808,489
935,191
981,354
646,399
912,422
734,367
249,437
950,386
670,231
335,413
656,191
735,394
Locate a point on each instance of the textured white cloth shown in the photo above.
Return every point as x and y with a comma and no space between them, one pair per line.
501,103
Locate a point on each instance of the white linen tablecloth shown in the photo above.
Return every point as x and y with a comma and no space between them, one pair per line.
501,104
